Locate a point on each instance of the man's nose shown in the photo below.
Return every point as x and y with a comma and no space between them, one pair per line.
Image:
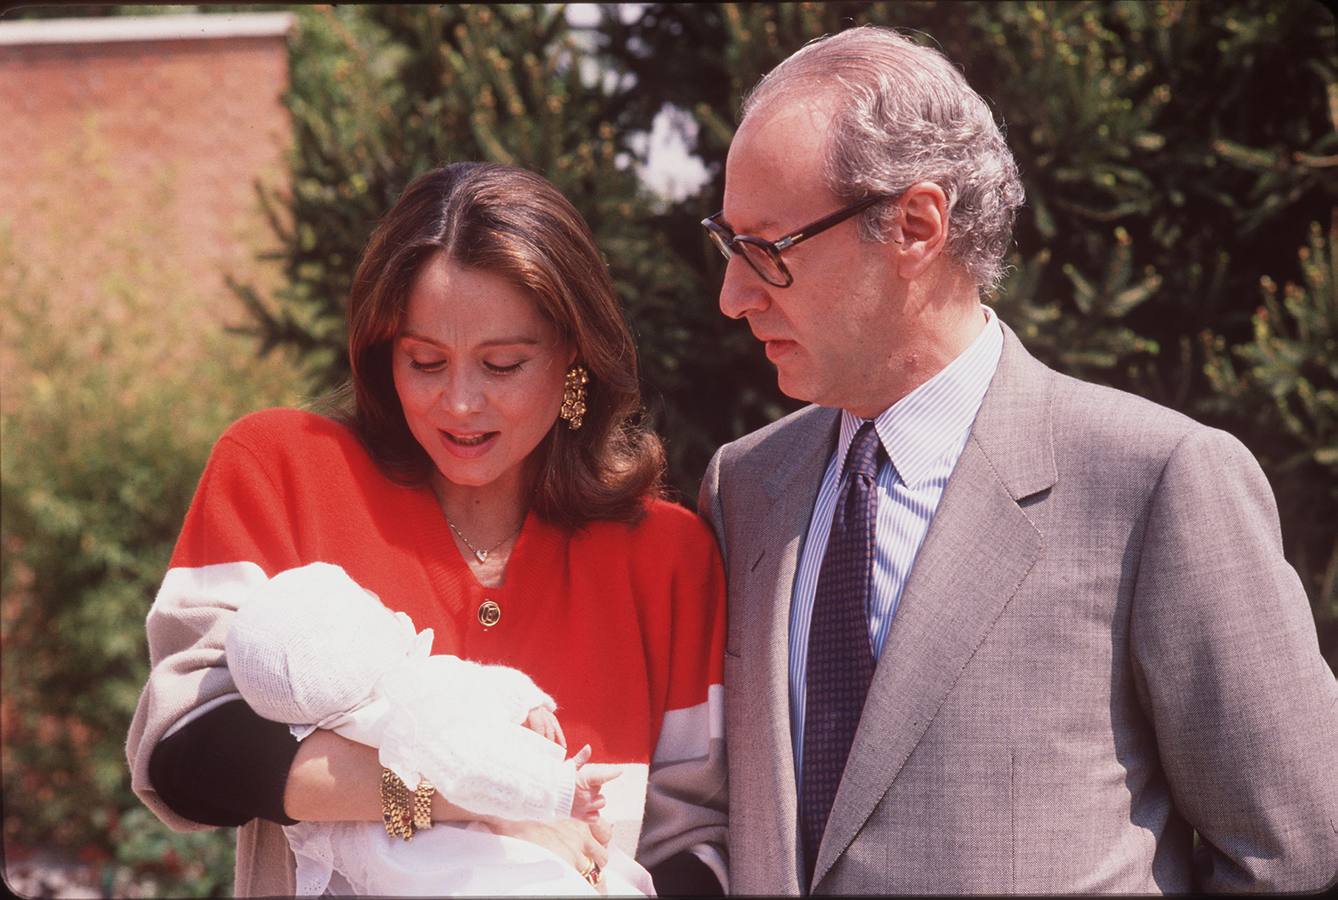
743,290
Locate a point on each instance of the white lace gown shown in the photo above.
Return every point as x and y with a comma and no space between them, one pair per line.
311,646
353,859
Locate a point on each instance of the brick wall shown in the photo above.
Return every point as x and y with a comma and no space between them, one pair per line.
129,149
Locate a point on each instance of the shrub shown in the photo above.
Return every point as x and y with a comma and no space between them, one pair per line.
105,431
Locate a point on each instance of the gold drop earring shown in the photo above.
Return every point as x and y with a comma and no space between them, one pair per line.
573,397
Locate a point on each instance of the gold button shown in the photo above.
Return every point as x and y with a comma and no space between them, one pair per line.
489,613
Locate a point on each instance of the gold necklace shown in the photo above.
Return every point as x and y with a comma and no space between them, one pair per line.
482,554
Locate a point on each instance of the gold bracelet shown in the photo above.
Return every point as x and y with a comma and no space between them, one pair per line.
422,804
396,813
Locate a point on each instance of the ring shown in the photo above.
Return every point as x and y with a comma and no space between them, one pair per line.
592,874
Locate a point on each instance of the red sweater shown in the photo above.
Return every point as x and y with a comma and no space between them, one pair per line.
623,625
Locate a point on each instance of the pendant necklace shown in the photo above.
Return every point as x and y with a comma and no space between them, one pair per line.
482,554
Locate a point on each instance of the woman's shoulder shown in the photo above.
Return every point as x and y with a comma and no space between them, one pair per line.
665,531
294,446
666,516
284,431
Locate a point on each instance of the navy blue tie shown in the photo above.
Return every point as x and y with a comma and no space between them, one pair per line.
840,660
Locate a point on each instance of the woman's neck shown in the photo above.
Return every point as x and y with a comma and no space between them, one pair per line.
487,513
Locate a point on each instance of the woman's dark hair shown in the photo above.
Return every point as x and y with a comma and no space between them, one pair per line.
513,224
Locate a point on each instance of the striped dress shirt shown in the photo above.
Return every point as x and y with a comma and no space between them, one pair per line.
924,434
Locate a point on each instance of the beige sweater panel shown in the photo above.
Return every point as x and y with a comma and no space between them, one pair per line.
186,626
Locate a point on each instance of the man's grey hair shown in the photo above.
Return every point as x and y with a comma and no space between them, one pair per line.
905,114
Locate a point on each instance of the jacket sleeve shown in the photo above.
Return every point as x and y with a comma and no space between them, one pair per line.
683,839
1229,670
236,531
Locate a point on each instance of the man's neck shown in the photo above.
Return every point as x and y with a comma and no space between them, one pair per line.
915,360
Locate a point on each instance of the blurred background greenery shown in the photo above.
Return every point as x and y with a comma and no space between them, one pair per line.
1179,241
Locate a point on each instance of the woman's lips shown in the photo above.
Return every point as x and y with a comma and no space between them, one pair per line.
468,446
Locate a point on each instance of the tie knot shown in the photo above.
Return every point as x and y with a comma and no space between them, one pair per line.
865,452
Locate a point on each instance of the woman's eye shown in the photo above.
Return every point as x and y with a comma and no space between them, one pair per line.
427,365
503,370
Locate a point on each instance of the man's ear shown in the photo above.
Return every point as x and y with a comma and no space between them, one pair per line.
922,221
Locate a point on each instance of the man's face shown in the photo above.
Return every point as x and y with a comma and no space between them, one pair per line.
827,330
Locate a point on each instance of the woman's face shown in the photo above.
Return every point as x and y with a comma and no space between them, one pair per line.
479,372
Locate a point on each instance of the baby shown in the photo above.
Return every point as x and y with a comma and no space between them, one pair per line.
313,649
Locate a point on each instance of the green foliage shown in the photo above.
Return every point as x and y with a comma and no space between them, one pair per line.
163,862
102,450
1131,126
56,10
1287,380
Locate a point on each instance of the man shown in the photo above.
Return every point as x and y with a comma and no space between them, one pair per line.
991,628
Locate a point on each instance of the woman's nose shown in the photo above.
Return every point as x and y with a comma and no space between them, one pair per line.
462,394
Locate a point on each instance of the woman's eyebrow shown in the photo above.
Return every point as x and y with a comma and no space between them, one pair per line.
511,341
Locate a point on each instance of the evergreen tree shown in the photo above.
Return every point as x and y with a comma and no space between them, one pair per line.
1287,378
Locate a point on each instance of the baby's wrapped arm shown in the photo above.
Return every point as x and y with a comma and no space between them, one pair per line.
458,724
468,689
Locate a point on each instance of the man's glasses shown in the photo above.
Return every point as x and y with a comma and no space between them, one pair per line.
765,256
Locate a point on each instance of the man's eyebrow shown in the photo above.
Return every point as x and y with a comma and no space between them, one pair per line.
764,225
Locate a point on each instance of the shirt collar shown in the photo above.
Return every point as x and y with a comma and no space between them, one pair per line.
932,420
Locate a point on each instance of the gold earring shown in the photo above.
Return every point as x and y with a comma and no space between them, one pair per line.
573,396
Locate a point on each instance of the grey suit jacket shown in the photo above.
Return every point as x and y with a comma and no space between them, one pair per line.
1100,650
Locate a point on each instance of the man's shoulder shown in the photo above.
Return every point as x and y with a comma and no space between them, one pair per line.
1087,414
772,443
1123,436
1077,411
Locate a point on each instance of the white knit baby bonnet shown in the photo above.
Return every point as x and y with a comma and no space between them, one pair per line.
311,643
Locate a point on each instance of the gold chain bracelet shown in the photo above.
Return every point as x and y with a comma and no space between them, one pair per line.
404,811
422,804
396,813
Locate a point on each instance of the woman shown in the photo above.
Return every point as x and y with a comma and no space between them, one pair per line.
490,482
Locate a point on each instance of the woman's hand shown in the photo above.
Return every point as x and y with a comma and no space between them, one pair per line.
579,843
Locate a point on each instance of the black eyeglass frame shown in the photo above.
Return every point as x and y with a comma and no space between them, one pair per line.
725,239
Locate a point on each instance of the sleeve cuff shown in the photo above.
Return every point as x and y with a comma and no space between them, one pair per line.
685,875
225,767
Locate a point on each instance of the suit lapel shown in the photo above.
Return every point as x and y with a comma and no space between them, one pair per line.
979,548
769,571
